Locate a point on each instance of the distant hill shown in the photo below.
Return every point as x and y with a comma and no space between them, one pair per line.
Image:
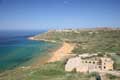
87,40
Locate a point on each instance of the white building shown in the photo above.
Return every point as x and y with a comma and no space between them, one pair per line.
89,64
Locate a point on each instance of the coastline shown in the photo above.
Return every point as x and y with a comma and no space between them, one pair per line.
43,59
56,54
32,38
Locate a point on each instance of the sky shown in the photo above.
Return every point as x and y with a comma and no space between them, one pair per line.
58,14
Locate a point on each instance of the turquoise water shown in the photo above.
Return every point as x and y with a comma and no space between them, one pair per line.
16,49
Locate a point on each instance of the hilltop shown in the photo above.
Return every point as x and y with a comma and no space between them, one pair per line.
90,40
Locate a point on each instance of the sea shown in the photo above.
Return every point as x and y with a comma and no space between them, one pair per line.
17,50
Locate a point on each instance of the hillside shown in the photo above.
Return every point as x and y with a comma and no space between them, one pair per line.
90,41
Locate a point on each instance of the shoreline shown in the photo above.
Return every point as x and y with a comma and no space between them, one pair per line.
32,38
62,51
45,57
58,54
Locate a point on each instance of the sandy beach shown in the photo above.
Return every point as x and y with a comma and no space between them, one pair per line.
56,55
62,52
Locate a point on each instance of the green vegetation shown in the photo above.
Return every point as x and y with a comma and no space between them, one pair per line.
112,77
87,41
116,58
51,71
97,41
90,41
